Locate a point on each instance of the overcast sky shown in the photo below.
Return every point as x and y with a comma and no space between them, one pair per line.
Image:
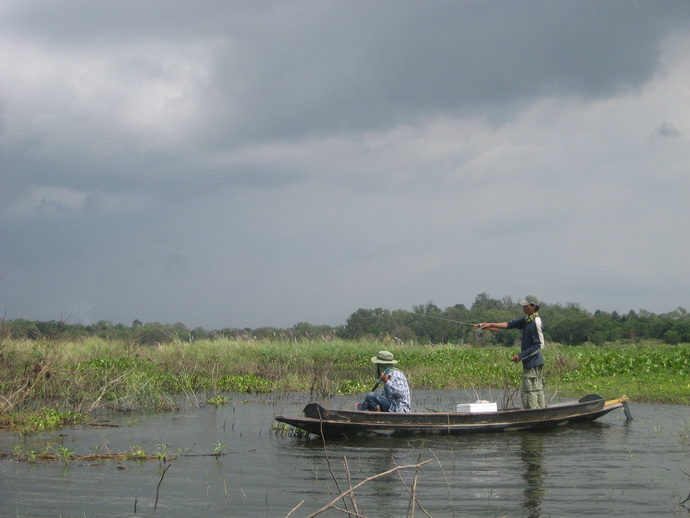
264,163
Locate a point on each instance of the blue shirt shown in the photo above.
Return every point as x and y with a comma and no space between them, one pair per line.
532,340
397,391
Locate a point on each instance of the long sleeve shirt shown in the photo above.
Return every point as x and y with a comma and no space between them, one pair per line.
532,340
397,390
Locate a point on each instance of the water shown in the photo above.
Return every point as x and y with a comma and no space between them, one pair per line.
609,468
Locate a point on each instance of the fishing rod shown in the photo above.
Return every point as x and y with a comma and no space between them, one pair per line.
378,382
454,321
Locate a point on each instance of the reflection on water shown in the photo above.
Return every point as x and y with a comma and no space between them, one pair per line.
611,467
531,453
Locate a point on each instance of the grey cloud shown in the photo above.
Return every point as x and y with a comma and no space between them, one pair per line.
340,74
261,163
314,69
288,70
666,130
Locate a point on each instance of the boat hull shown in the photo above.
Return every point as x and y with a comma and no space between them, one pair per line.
325,422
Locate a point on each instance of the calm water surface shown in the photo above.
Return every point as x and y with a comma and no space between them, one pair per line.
609,468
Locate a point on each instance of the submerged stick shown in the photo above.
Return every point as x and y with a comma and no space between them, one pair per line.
330,469
443,471
158,487
349,484
369,479
413,496
294,509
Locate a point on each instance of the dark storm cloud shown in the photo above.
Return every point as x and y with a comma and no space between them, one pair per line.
341,69
264,162
288,70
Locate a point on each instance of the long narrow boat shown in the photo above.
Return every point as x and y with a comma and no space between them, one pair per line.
350,423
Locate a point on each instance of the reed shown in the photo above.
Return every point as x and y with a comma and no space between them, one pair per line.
77,377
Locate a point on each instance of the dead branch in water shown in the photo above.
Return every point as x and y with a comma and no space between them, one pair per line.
688,497
350,491
158,487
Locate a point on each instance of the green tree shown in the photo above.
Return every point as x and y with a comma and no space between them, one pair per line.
366,321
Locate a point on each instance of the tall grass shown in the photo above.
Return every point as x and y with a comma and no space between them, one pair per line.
94,373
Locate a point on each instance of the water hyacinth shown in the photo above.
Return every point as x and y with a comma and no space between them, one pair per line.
83,376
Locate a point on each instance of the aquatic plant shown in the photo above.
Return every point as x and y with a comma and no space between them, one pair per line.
63,454
47,384
219,449
218,400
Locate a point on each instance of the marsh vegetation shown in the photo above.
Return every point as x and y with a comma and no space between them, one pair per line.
49,383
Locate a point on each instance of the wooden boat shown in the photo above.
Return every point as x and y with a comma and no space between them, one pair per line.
350,423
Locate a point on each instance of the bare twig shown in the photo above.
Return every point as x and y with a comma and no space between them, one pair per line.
351,514
413,496
41,370
294,509
158,487
688,498
349,484
366,480
106,387
328,463
450,496
510,394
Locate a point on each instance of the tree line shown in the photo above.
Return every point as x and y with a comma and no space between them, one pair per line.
568,324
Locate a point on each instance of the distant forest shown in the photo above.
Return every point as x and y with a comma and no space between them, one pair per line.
427,323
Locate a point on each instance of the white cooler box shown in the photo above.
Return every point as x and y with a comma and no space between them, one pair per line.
479,406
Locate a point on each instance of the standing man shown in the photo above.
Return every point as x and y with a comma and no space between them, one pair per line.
532,388
396,391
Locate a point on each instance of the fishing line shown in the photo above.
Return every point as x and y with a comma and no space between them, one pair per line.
448,320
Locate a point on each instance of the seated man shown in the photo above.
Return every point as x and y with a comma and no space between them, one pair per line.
396,391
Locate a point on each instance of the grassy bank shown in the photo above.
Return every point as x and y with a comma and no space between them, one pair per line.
49,380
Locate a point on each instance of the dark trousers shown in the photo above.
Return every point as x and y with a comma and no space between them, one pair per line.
375,402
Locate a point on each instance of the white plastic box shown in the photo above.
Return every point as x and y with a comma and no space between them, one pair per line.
479,406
